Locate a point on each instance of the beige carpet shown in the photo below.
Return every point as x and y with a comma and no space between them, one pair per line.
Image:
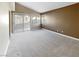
42,43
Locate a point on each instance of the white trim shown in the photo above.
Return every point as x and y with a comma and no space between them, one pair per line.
4,55
6,48
64,35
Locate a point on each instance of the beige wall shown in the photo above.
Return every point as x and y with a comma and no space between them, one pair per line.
21,9
63,20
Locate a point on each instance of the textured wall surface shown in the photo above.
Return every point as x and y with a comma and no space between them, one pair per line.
63,20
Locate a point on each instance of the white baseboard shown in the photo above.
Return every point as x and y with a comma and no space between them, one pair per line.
6,49
2,55
64,35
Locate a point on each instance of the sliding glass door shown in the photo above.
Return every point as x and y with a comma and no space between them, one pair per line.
26,22
17,23
21,22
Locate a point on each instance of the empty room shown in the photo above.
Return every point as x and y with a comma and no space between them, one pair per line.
40,29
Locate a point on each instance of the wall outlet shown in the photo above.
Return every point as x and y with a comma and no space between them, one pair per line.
62,31
57,30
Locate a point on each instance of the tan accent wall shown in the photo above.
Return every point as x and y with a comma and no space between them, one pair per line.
63,20
21,9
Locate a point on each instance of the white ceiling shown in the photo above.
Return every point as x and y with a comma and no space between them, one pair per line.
45,6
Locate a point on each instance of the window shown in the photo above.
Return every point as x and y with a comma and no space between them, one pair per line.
18,19
26,19
36,20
